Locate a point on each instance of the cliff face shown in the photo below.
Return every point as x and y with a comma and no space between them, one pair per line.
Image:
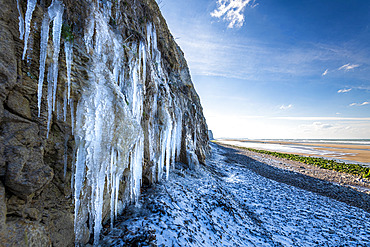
96,99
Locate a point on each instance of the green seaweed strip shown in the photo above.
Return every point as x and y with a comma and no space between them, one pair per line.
319,162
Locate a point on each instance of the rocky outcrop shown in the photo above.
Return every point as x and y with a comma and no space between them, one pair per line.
122,111
210,135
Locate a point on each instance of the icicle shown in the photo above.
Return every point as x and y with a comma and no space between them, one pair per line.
117,61
136,168
117,180
55,11
178,133
31,4
68,49
43,51
78,183
72,114
168,149
50,98
21,21
143,52
137,101
195,137
65,103
173,145
89,34
74,156
112,185
59,110
148,35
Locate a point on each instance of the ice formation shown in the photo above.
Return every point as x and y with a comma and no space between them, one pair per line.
55,14
49,98
108,119
21,21
31,4
55,11
68,49
43,50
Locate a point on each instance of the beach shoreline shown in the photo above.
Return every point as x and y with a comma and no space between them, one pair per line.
358,154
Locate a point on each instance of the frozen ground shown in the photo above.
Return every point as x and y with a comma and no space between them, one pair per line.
226,204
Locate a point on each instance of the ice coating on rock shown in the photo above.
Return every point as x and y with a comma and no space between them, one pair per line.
49,98
55,14
136,166
168,146
55,11
31,4
79,177
178,132
68,49
59,110
21,21
43,53
107,120
109,129
71,103
65,103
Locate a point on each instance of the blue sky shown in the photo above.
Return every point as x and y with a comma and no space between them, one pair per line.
278,68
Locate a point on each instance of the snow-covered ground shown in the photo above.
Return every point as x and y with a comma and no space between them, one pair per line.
225,204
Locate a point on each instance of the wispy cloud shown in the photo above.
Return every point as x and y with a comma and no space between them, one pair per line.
344,90
366,88
325,72
251,59
232,11
360,104
285,107
254,4
319,125
348,66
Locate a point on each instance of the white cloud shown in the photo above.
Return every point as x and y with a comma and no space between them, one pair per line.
231,11
285,107
325,72
344,90
360,104
348,66
319,125
317,128
364,88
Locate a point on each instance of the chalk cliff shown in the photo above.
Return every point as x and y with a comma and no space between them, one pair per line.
96,99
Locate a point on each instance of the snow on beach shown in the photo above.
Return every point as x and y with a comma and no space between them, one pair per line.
223,203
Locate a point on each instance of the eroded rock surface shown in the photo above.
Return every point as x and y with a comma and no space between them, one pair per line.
38,151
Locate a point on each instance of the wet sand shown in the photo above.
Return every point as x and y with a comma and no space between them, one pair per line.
347,152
